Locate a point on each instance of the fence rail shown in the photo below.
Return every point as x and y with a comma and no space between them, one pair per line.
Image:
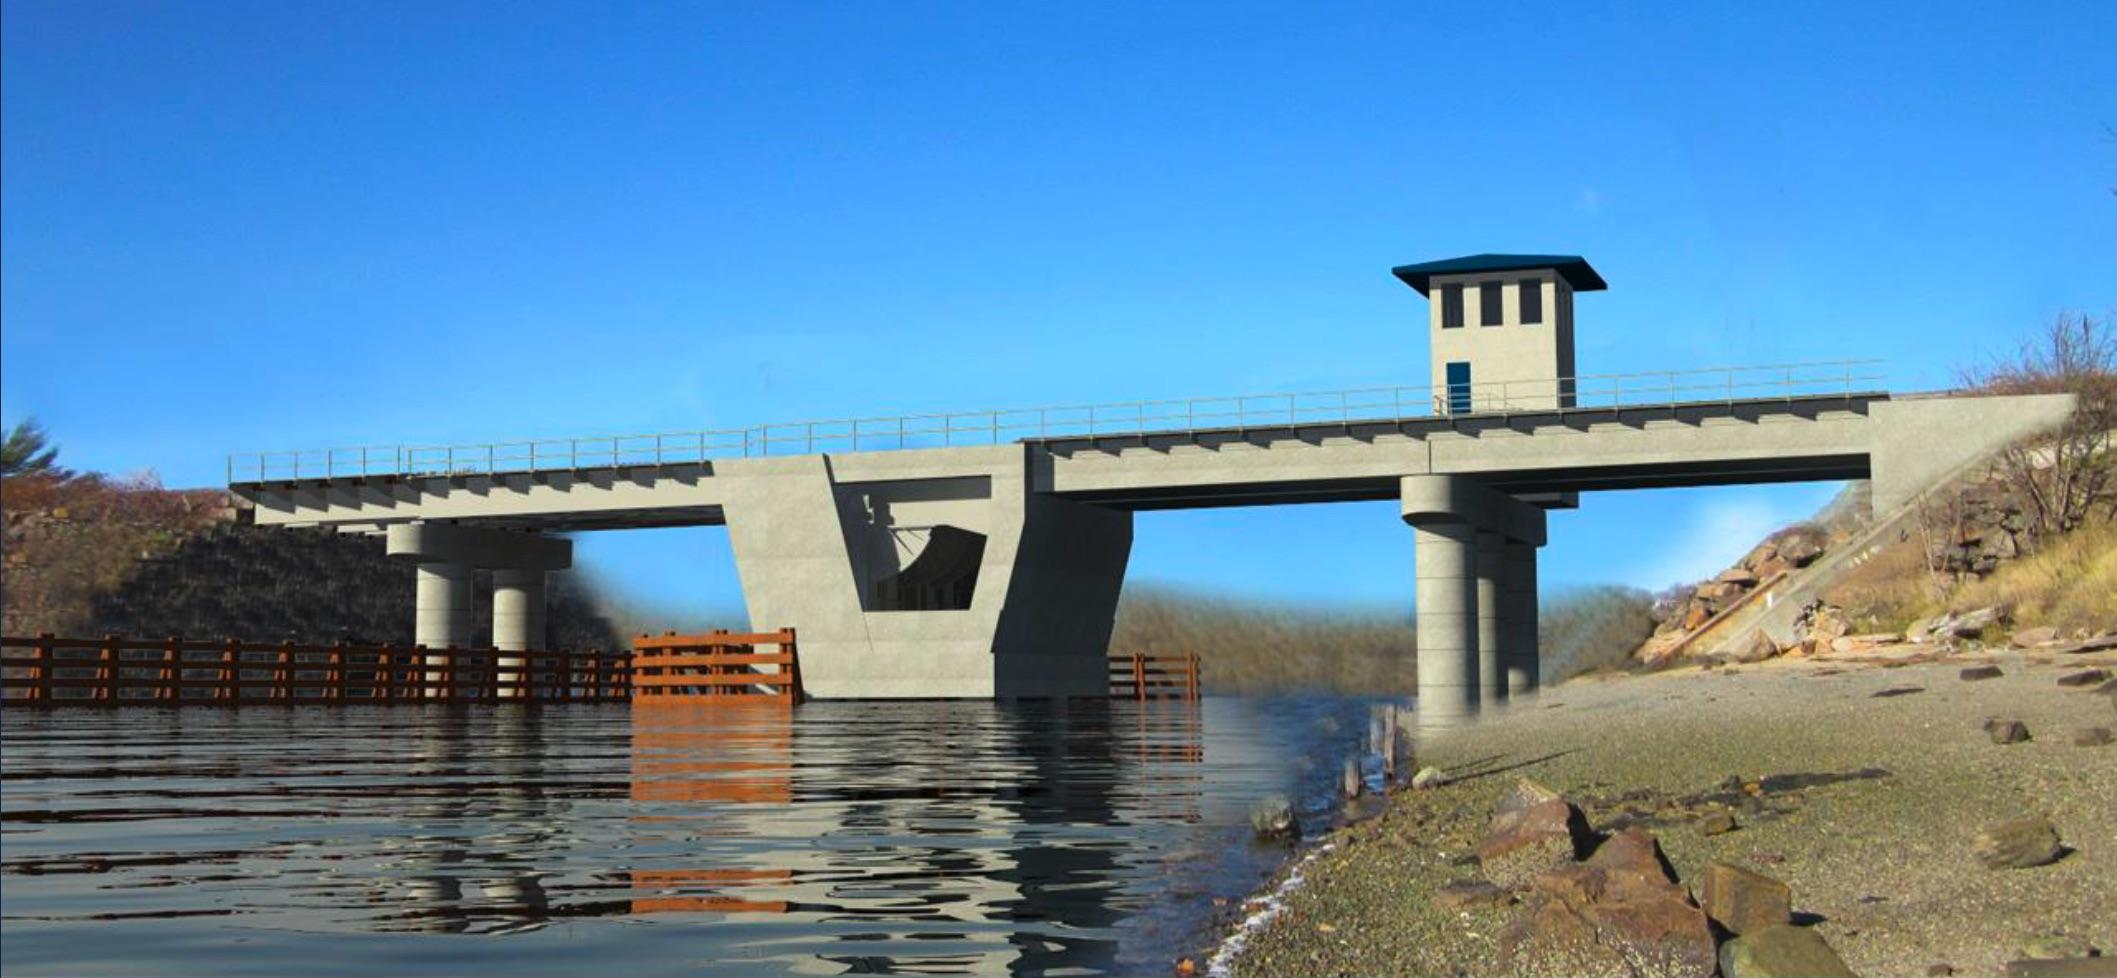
716,667
47,670
992,427
1142,676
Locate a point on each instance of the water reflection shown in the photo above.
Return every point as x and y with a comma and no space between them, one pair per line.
924,838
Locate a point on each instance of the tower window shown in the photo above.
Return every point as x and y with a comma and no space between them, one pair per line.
1532,292
1452,306
1488,300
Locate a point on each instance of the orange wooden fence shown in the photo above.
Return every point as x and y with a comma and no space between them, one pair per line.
715,666
47,670
1145,677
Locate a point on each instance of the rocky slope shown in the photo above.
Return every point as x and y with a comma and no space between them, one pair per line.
90,556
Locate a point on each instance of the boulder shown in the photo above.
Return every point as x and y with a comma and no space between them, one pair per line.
1742,577
2093,737
2017,844
1801,550
1632,858
1525,793
2085,677
1272,818
1757,648
1974,673
1465,895
2007,731
1742,901
1719,592
1697,614
1530,840
1781,951
2031,637
1971,624
1772,567
1592,920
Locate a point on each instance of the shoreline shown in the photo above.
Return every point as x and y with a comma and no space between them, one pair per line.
1859,780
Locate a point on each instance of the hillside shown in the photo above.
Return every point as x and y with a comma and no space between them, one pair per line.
94,556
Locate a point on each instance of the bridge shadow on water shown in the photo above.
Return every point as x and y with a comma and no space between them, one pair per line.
929,838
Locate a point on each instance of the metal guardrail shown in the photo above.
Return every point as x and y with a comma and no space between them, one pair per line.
1175,416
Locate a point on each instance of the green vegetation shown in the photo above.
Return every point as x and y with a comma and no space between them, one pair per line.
28,451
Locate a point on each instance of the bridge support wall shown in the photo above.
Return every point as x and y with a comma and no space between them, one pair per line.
848,551
1476,617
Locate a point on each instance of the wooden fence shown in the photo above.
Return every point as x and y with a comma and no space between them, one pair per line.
1144,677
715,667
112,671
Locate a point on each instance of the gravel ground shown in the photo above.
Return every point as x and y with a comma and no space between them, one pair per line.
1864,804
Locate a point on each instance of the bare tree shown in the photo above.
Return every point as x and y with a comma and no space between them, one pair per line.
2064,477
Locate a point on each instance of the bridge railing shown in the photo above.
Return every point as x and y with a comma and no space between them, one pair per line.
992,427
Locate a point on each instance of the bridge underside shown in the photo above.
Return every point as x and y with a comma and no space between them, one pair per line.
972,572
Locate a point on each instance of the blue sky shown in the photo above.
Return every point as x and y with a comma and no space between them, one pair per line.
234,226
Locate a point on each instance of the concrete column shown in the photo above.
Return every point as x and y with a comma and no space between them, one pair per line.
1491,619
1447,622
441,611
1523,661
517,619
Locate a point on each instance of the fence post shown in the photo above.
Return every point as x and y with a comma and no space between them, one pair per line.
173,667
1139,676
107,673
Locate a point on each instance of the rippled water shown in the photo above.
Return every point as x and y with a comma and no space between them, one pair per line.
923,838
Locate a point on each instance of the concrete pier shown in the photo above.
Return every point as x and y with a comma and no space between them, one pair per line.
517,619
1445,551
1492,632
1522,657
442,607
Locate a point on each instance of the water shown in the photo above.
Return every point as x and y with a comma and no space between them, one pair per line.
870,838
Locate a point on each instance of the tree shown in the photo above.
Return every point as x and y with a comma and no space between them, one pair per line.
2073,472
28,451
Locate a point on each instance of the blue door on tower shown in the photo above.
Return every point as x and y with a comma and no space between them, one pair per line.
1459,387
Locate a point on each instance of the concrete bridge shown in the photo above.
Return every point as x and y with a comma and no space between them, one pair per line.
981,554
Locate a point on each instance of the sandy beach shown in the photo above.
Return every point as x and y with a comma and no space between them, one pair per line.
1859,781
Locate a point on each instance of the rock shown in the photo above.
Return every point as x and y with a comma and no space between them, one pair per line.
2019,844
1801,550
2065,968
1757,648
2098,643
1736,575
1465,895
1695,615
1272,818
1428,777
1527,841
1939,970
2085,677
1715,823
2030,637
1772,567
1185,968
1781,951
2007,731
1718,592
1971,624
1742,901
2094,737
1975,673
2053,947
1633,858
1525,793
1589,920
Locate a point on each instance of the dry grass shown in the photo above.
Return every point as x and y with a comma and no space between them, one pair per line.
1246,647
1889,590
2069,583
